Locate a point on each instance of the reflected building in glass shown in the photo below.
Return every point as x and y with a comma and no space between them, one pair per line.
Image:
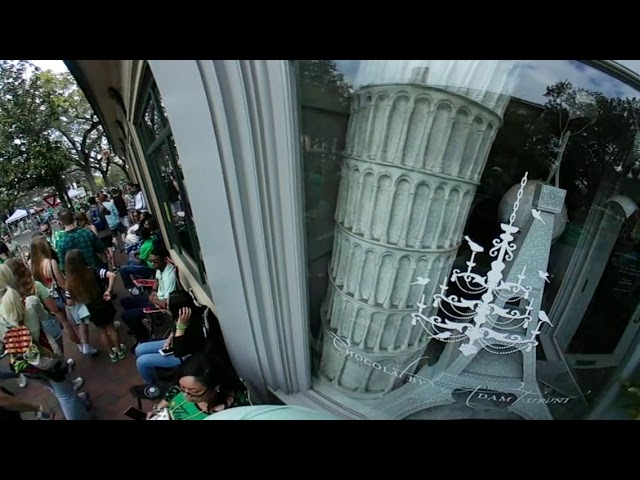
417,145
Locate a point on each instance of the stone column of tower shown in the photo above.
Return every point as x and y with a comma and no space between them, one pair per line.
414,156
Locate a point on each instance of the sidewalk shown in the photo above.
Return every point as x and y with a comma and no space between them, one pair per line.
107,383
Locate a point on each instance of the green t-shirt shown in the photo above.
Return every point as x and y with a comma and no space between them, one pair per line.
181,409
42,292
145,251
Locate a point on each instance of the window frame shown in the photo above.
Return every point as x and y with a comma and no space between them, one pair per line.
148,94
316,396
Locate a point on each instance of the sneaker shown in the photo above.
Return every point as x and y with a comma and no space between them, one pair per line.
117,324
77,383
113,355
79,345
122,351
152,392
148,392
44,415
70,364
22,381
134,291
88,349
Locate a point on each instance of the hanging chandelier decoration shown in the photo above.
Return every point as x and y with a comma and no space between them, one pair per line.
487,323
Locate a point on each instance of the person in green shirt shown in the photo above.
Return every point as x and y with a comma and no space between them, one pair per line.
206,386
5,254
139,266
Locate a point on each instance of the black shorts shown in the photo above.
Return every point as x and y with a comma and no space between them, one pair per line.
118,230
108,241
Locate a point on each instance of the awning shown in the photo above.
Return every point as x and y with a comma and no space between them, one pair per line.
17,215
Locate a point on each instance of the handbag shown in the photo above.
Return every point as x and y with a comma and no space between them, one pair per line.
55,291
26,355
161,414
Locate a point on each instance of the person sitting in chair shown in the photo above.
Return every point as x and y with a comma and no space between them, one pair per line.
188,337
205,387
165,283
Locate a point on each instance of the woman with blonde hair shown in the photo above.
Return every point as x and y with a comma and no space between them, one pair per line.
29,312
45,270
26,287
86,285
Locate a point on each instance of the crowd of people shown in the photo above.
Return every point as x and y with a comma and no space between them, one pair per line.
65,287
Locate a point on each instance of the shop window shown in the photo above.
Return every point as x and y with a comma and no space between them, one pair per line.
167,181
473,242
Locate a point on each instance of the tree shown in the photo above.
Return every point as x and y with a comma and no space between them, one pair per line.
598,133
31,157
79,128
323,84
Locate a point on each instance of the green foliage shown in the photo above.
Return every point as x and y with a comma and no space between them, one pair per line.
76,126
600,132
31,156
48,134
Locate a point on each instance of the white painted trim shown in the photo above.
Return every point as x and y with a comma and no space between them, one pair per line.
259,99
135,79
248,210
125,80
189,108
273,106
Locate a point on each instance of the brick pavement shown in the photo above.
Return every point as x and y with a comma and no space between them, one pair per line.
107,383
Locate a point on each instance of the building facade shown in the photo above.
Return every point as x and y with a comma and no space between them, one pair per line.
399,239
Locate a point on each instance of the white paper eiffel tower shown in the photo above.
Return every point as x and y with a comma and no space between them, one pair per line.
491,348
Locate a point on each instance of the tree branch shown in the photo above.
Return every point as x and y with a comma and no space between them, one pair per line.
70,140
85,136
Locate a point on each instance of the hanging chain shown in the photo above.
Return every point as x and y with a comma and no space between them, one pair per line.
516,205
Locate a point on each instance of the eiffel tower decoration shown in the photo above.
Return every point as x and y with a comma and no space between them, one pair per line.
491,340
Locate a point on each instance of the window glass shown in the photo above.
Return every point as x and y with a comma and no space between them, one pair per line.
166,175
472,236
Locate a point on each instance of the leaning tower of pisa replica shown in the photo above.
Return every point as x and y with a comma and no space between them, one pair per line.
416,149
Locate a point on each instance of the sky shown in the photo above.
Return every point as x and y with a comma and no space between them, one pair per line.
57,66
531,77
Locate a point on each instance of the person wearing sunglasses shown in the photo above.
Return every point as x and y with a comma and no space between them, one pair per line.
205,387
47,231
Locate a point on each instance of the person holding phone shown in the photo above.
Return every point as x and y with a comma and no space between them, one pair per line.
206,386
166,281
188,336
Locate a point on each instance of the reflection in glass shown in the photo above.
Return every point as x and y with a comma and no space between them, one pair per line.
168,180
407,158
152,122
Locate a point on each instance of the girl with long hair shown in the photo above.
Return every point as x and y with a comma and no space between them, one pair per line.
26,287
86,285
29,312
45,270
44,266
83,222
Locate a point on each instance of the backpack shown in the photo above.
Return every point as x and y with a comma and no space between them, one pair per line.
118,201
26,355
98,220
